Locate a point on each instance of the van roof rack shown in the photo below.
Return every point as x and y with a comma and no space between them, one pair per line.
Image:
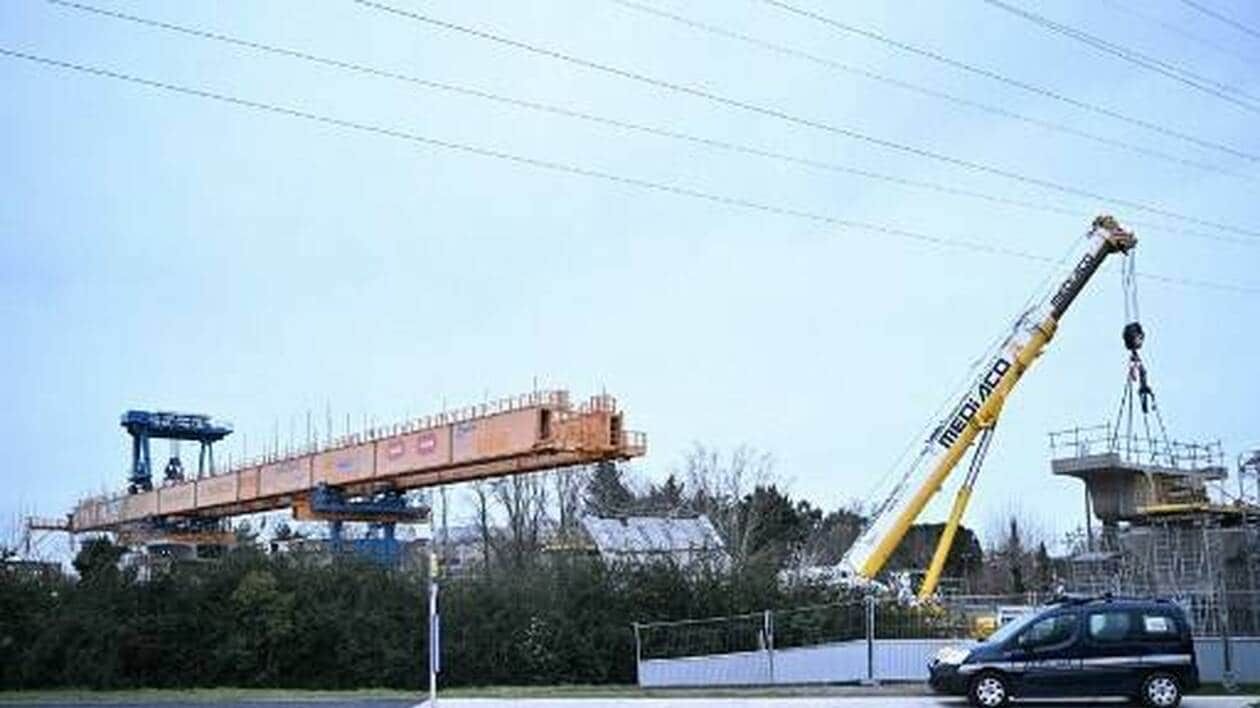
1080,599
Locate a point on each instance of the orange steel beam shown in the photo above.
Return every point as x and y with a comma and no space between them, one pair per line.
528,433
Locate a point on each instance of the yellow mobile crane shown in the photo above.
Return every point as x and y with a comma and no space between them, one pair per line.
972,420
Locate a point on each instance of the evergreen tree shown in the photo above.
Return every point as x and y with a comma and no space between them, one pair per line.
606,493
1015,559
666,499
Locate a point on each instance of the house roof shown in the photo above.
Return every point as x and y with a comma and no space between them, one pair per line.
651,534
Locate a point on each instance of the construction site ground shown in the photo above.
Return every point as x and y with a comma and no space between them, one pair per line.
904,695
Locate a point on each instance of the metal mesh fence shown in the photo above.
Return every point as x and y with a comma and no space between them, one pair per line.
868,640
1242,613
1211,614
781,629
795,627
819,624
700,637
1235,613
897,621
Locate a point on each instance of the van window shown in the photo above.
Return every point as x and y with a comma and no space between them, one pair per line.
1048,631
1109,626
1158,625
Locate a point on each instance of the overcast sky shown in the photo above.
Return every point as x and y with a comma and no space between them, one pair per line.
166,251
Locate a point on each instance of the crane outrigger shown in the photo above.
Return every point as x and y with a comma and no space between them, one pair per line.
972,420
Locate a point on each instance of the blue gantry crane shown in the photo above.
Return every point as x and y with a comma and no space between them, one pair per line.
165,425
381,510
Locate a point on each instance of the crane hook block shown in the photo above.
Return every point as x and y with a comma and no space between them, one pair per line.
1133,336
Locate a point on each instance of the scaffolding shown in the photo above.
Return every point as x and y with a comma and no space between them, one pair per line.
1169,527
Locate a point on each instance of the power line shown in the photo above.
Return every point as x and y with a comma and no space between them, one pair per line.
738,148
920,89
1222,18
1014,83
519,159
797,120
579,171
1176,73
1181,32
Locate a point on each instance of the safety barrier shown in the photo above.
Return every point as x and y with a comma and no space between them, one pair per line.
848,642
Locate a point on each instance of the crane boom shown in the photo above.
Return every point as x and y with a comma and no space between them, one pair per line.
978,408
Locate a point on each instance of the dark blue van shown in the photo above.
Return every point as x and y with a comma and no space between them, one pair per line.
1101,646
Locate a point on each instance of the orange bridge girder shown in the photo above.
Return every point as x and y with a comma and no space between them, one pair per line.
529,433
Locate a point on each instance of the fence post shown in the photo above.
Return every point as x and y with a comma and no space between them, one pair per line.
1227,653
870,641
1221,597
435,628
767,622
638,655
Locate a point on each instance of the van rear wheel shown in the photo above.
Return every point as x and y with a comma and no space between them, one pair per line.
989,690
1161,690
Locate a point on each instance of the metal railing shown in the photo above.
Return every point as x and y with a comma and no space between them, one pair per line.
634,440
557,399
1138,449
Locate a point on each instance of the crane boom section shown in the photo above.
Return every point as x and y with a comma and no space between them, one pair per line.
979,406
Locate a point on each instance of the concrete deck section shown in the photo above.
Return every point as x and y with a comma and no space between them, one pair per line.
1132,478
1121,490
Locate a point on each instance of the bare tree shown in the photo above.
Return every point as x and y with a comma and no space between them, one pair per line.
13,538
718,482
481,498
523,499
1017,541
569,485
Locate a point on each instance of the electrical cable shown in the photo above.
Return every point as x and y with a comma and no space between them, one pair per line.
923,436
919,89
576,170
1222,18
798,120
1014,83
1181,32
694,139
1176,73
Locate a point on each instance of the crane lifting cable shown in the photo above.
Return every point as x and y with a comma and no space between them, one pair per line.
1138,395
1139,436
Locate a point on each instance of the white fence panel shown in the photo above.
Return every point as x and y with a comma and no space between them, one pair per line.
1244,653
842,662
906,659
750,668
827,663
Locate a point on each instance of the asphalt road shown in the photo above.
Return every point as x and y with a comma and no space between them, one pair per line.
822,702
277,703
781,702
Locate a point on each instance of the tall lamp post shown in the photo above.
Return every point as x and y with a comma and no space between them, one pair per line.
435,626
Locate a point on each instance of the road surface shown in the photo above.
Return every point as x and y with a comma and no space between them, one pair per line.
887,701
820,702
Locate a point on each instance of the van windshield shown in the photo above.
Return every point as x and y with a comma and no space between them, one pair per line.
1012,628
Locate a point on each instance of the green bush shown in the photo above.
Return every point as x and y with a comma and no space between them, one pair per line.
296,621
